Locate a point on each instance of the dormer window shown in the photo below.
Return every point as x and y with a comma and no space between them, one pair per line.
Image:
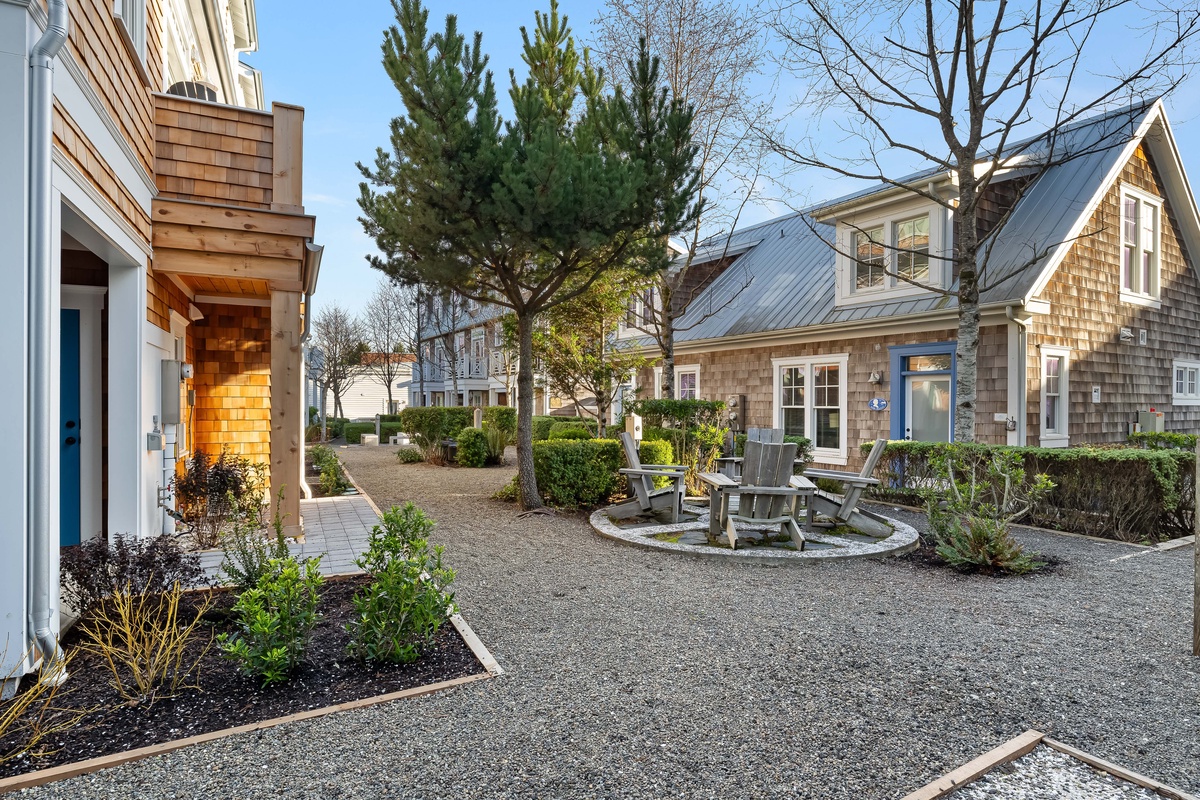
891,252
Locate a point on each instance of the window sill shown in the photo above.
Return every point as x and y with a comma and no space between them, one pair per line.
1055,440
127,40
1185,401
1140,299
882,295
829,457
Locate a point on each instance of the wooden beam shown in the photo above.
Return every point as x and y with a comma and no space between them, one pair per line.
1009,751
223,265
215,215
230,299
287,423
217,240
287,155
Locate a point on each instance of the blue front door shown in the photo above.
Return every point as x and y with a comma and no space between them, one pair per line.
69,448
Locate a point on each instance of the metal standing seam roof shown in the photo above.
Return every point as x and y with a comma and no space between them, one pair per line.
792,268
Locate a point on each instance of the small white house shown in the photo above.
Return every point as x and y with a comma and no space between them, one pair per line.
366,394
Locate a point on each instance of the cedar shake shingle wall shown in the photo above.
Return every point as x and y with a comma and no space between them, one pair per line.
213,153
233,380
1086,315
163,297
748,371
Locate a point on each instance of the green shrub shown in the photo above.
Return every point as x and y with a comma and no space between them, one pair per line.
562,430
400,612
577,473
436,422
472,448
804,449
215,493
1155,440
542,425
409,455
667,413
249,550
656,451
503,418
274,619
497,441
332,480
509,492
974,543
1127,494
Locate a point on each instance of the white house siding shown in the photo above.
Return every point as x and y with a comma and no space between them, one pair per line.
365,396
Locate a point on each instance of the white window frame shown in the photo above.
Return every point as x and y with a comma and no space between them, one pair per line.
1061,436
637,307
131,14
689,369
824,455
890,220
1138,294
1190,396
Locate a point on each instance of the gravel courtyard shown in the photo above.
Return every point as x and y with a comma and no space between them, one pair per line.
637,674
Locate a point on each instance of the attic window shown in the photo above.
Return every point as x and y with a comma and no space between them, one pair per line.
869,254
893,253
1140,244
912,243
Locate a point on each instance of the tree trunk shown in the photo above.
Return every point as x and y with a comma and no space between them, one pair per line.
967,350
668,347
527,479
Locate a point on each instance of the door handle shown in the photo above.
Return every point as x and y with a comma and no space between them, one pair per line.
70,440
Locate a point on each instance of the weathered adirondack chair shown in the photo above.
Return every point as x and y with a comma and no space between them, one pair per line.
766,493
644,498
846,511
732,465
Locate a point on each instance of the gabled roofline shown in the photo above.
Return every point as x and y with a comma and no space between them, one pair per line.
1178,190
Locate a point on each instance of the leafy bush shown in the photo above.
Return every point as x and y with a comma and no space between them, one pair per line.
436,422
577,473
980,493
141,640
249,551
503,418
212,494
497,440
409,455
335,426
400,612
542,425
274,619
1155,440
666,413
509,492
562,430
472,448
332,477
95,570
656,451
1127,494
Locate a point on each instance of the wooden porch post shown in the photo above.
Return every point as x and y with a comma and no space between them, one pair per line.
287,424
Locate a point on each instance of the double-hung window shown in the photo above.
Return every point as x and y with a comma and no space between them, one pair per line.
1140,244
870,258
912,249
1186,383
1055,397
687,383
810,401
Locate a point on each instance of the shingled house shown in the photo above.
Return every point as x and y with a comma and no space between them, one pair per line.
158,259
1104,325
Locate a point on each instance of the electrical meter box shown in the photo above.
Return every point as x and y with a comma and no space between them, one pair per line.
172,383
1151,422
735,412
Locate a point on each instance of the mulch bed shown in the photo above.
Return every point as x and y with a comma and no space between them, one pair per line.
227,697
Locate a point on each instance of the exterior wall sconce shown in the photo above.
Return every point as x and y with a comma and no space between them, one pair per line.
875,378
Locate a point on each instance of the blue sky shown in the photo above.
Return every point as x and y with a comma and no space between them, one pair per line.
330,64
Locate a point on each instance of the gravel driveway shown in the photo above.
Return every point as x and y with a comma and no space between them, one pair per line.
637,674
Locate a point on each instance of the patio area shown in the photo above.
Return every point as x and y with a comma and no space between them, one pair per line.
641,674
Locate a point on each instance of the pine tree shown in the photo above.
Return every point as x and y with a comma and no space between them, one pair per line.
530,213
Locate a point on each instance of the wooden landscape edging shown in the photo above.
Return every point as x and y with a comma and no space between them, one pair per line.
44,776
1022,745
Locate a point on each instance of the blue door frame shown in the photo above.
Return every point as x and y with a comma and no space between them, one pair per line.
899,354
69,479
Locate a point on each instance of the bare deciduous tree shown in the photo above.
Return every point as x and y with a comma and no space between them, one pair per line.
710,53
338,339
388,324
894,77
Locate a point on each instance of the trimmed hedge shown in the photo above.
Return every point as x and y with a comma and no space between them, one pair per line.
472,448
678,413
542,425
561,431
1153,440
502,417
436,422
1129,494
577,473
656,451
353,431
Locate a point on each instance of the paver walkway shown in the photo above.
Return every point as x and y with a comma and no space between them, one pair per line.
335,528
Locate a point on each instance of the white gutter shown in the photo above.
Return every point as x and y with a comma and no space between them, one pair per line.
42,284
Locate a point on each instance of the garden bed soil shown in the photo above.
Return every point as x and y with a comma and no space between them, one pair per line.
227,698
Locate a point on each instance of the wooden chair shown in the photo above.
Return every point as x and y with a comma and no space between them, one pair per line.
766,494
732,465
644,498
846,511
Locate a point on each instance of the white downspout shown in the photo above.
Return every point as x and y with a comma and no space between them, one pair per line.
42,284
1021,413
312,269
